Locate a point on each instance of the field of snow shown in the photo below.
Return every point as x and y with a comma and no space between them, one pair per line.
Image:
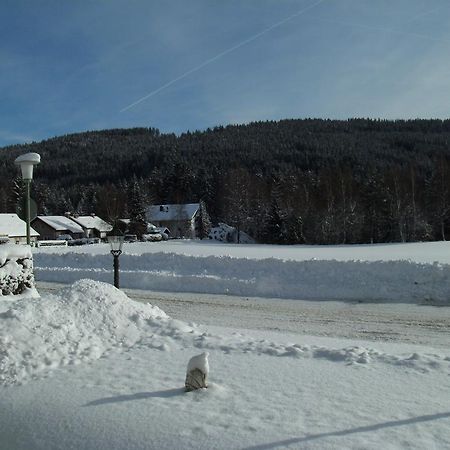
421,252
417,273
88,368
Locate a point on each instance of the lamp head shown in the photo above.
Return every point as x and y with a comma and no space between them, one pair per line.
26,163
115,238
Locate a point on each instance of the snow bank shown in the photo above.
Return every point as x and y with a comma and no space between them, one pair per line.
398,281
80,323
421,252
16,271
89,320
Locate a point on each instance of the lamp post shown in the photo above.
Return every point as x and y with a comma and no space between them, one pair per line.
115,239
26,163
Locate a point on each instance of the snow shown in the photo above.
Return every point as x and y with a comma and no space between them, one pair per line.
92,222
33,158
420,252
14,252
12,226
89,368
79,324
410,273
16,272
61,223
199,362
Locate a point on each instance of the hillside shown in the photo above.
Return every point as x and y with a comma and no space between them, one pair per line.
293,181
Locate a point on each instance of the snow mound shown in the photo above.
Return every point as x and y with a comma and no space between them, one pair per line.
80,323
90,319
394,281
16,272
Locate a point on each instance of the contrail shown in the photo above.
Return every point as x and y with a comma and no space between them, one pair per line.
220,55
385,30
422,14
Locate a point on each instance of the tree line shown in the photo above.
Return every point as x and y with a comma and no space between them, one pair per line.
307,181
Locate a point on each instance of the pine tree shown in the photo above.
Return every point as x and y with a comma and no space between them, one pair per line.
273,226
81,208
203,221
136,208
236,200
18,193
438,198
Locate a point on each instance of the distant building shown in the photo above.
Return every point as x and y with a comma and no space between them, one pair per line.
51,227
179,219
93,226
15,229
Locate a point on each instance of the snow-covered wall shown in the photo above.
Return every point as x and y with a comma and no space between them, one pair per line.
398,281
16,270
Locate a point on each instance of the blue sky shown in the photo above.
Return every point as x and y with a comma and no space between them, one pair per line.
69,66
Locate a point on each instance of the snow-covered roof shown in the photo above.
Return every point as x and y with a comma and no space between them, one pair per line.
61,223
12,225
93,222
172,212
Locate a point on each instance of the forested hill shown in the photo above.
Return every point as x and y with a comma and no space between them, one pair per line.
313,181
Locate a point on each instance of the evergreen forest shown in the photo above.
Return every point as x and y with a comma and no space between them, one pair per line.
309,181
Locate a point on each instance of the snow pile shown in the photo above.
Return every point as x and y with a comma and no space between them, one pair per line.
79,324
90,319
399,281
16,271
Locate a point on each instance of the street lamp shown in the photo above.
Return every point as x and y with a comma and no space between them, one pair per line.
115,239
26,163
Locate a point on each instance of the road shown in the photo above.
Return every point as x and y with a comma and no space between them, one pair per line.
383,322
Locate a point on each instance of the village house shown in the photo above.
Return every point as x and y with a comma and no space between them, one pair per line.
15,229
52,227
179,219
93,226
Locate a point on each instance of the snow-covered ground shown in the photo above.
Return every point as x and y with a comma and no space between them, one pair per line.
424,252
86,367
418,273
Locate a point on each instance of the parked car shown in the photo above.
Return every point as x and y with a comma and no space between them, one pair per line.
164,232
152,236
130,238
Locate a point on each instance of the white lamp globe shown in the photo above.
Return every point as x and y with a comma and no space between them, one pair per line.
26,163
